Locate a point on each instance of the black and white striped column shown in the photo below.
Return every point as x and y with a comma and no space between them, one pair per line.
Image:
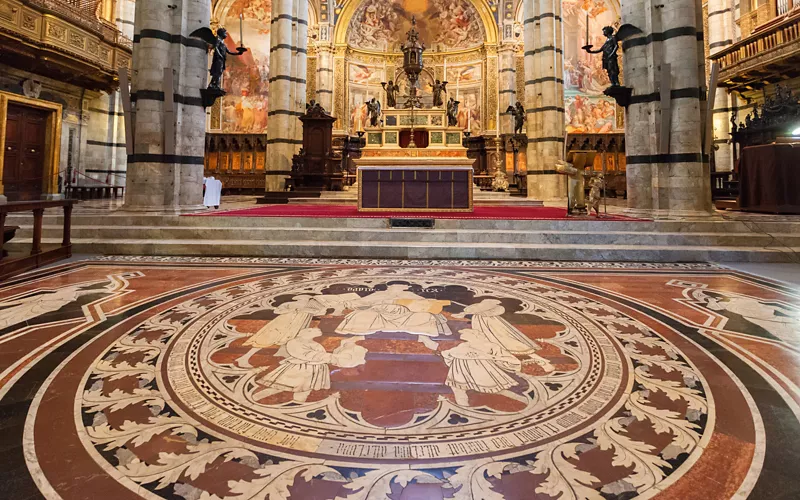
666,172
544,97
325,75
720,36
283,113
301,71
507,84
160,178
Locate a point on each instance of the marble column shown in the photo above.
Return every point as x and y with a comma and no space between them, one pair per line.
720,36
282,113
105,156
159,177
301,69
507,87
124,18
544,97
325,75
670,178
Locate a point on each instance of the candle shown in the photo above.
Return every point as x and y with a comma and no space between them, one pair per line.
587,27
241,30
386,71
458,81
469,120
497,125
444,78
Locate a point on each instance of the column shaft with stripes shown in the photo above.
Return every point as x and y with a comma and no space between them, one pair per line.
301,67
280,136
666,172
720,36
159,178
325,75
507,88
544,97
281,139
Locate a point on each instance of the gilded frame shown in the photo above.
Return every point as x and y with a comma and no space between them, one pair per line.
52,152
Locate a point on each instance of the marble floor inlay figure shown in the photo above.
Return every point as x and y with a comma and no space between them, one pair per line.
293,379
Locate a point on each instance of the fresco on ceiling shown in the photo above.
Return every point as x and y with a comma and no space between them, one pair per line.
245,108
587,109
443,24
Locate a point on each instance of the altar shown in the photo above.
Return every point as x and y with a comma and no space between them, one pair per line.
414,159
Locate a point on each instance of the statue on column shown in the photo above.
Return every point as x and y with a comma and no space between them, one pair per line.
452,112
391,89
610,49
374,109
518,112
439,87
221,53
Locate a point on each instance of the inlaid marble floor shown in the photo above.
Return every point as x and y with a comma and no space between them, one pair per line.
319,380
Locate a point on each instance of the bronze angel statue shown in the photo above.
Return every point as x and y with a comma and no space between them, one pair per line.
610,49
439,88
221,53
391,89
374,109
518,112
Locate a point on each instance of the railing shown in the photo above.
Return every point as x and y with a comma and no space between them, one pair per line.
38,257
81,12
769,39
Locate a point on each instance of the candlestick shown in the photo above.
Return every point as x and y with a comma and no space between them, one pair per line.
241,30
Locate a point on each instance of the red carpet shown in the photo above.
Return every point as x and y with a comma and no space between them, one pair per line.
350,211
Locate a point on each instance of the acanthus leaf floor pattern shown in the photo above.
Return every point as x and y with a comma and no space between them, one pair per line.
202,378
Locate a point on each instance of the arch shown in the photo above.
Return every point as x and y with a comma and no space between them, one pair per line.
220,8
614,4
351,7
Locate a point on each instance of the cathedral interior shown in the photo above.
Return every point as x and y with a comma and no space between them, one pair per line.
399,249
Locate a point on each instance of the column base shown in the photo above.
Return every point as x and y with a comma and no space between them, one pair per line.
154,209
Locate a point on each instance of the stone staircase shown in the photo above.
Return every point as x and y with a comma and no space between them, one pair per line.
575,240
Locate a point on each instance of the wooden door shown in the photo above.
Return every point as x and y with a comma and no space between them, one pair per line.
23,166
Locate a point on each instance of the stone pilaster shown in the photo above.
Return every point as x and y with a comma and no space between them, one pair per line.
325,75
720,36
544,97
340,91
282,114
158,178
673,177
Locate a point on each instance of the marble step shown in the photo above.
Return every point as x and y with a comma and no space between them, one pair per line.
423,235
422,250
661,226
